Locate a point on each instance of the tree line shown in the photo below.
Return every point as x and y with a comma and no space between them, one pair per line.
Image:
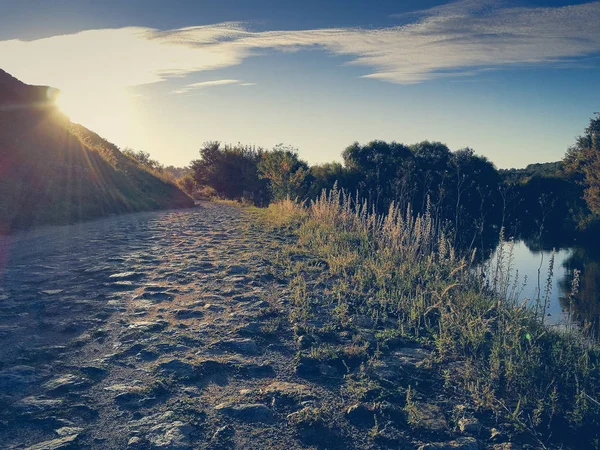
463,190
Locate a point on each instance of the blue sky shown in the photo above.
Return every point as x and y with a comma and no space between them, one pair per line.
516,81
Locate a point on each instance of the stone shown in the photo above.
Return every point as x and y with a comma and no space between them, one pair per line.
178,369
213,308
85,412
52,291
147,355
411,357
282,388
253,370
56,444
212,297
249,412
237,270
399,362
65,383
93,371
32,405
246,346
390,412
183,314
305,341
148,326
223,433
328,371
155,296
307,367
252,328
257,306
174,435
68,431
126,276
123,286
152,420
469,425
431,418
45,353
135,442
135,386
360,415
464,443
128,399
211,366
362,321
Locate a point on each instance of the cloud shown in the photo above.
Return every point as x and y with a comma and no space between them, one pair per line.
455,40
205,84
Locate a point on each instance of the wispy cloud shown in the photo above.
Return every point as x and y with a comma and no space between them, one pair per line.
457,39
206,84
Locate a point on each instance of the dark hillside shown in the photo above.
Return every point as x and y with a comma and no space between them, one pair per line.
53,171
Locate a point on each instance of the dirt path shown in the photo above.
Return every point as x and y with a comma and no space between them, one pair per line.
154,330
172,330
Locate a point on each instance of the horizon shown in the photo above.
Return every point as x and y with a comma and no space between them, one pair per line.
515,81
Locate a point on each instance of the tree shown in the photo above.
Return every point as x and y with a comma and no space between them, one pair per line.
379,170
472,195
188,184
232,171
288,175
432,160
325,176
582,162
142,158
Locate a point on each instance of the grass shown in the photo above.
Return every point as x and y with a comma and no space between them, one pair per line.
63,173
400,270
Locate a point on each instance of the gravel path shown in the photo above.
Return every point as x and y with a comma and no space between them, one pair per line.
152,330
172,330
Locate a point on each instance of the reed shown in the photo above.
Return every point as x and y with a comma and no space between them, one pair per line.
401,270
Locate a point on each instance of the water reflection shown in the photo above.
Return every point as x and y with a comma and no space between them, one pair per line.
585,305
583,309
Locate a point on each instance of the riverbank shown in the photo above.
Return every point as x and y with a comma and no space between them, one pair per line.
393,281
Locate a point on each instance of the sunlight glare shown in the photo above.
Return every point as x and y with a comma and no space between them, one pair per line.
111,113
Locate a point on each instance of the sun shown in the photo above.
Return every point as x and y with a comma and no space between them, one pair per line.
110,112
62,103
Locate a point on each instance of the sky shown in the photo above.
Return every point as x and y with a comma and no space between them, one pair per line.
517,81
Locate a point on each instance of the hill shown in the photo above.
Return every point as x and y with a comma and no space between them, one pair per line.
53,171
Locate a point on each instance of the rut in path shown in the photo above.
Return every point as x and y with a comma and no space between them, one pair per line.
149,330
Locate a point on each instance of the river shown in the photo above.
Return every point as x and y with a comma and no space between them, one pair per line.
563,308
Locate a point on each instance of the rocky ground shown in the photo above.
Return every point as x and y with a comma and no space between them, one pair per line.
173,330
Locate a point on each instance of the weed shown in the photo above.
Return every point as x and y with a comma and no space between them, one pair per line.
400,270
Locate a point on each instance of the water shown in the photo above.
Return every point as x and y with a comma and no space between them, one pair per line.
564,308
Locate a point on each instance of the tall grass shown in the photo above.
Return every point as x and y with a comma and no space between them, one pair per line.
402,271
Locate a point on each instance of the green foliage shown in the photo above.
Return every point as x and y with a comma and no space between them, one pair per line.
325,176
461,187
188,184
464,191
232,171
288,176
142,158
402,266
582,161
